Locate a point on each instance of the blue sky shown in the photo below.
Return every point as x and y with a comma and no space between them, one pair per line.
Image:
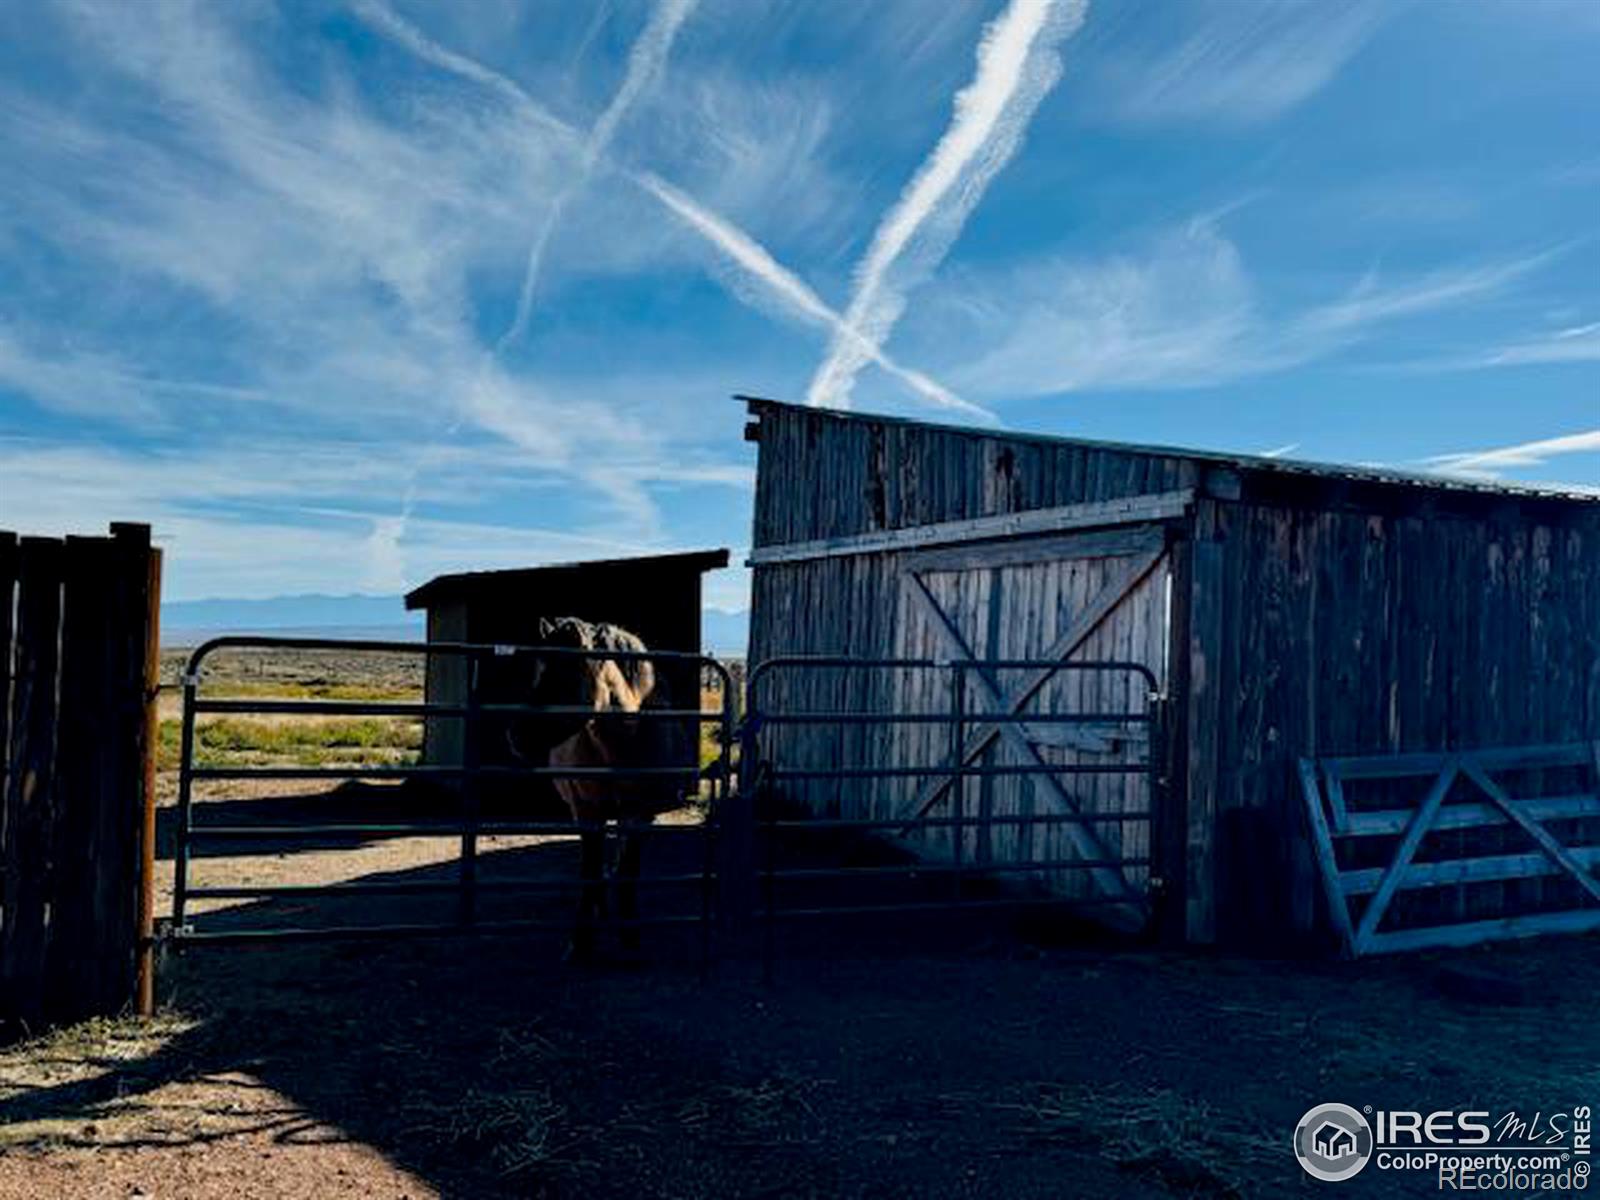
343,295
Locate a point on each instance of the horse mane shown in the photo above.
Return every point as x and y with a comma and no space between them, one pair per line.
630,683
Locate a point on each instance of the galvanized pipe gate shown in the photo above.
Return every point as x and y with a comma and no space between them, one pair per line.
754,838
467,824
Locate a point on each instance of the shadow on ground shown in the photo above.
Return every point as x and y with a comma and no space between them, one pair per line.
910,1057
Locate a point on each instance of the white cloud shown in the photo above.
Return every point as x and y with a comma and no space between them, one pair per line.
1017,65
1179,314
1492,463
276,517
1231,62
1580,343
1185,312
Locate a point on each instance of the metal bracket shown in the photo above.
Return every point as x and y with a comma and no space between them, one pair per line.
189,679
504,651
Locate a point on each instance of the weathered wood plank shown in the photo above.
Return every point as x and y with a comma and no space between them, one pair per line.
1505,758
94,723
1540,835
1453,871
1421,822
1086,841
1475,933
1322,843
27,865
1129,511
1467,815
1207,675
1087,622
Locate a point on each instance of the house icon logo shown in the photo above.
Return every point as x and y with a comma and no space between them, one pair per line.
1333,1142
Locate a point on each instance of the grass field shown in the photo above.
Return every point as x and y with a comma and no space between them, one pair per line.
277,674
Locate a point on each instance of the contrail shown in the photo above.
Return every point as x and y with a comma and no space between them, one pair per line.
793,291
645,62
389,22
1017,65
745,252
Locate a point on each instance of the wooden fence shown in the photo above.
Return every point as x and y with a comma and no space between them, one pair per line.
1456,848
78,643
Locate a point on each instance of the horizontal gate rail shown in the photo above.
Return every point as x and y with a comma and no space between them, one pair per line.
430,829
357,771
468,827
823,718
1126,815
765,766
324,708
969,771
1335,824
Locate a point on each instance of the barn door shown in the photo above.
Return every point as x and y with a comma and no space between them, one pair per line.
1072,789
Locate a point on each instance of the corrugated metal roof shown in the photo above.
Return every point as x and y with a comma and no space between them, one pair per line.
444,586
1242,462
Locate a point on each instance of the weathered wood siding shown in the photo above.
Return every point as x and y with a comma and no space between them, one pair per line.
1398,625
826,476
76,624
444,738
1322,613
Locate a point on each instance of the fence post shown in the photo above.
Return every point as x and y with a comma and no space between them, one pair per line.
137,538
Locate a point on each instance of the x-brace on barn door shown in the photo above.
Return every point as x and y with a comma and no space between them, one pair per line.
1068,737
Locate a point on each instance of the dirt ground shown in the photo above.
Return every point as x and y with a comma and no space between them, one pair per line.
972,1061
887,1057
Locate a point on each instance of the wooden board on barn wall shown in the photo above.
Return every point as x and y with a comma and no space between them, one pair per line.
826,475
1321,632
1084,598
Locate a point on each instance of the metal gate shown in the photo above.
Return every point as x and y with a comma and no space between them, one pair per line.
451,808
865,786
891,753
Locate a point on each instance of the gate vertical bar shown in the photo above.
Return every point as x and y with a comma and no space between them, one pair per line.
958,787
180,852
470,801
1158,890
715,811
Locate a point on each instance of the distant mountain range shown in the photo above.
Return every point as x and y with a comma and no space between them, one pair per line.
384,618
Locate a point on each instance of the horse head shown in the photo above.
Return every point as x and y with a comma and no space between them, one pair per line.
553,681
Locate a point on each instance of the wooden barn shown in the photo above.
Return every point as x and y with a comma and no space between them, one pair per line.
1291,614
656,597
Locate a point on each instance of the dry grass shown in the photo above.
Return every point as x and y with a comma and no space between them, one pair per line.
1191,1147
294,741
96,1055
517,1131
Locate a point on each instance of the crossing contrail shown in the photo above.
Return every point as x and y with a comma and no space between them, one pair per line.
752,259
794,292
1017,65
645,63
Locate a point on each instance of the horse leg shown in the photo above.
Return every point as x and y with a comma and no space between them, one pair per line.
628,885
591,892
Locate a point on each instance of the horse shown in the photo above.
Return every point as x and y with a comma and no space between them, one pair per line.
610,688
